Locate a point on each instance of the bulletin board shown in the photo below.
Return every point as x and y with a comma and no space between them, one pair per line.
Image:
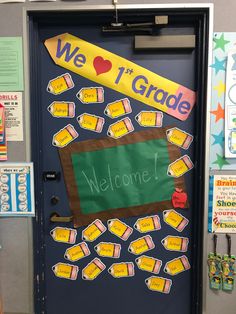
123,162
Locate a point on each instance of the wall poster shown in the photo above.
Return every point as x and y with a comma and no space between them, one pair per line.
222,204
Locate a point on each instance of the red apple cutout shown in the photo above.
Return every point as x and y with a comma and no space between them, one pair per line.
179,198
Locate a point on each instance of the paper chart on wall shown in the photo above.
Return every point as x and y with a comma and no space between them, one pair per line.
12,101
17,189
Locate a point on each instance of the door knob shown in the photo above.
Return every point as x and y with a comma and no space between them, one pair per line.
55,217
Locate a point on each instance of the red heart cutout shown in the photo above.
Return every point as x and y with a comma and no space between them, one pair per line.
101,65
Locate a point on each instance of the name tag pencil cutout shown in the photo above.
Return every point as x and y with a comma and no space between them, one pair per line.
120,128
150,264
60,84
178,244
179,137
65,271
62,109
179,198
150,119
77,252
180,166
93,231
110,70
159,284
177,265
118,108
90,95
175,220
93,269
119,228
65,136
64,235
148,224
121,270
141,245
91,122
107,249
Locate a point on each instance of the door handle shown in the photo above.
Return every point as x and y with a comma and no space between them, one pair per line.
55,217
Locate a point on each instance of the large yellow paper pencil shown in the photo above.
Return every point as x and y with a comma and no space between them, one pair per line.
120,74
65,136
91,122
141,245
148,224
120,128
180,166
93,231
150,264
119,228
150,119
107,249
175,220
177,265
60,84
118,108
179,138
62,109
64,235
173,243
91,95
93,269
121,270
159,284
65,271
77,252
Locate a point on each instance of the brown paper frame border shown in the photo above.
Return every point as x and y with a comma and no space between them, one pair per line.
81,219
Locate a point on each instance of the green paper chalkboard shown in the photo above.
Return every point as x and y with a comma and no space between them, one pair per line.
109,178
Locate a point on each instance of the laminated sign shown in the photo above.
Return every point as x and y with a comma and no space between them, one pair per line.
116,178
117,73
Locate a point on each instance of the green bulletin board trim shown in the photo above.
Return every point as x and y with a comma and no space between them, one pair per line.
107,178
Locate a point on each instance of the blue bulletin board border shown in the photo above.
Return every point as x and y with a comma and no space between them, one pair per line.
222,42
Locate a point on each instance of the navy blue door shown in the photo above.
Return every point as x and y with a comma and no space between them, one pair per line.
104,295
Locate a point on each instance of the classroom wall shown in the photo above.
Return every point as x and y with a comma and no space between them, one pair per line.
16,233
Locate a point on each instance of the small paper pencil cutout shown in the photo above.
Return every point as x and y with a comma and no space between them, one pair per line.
148,224
107,249
77,252
177,265
65,136
175,220
150,119
178,244
65,271
91,95
91,122
179,137
93,269
64,235
118,108
159,284
62,109
93,231
180,166
121,270
150,264
60,84
141,245
120,128
119,228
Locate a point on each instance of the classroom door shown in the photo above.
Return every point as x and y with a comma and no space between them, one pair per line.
58,97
